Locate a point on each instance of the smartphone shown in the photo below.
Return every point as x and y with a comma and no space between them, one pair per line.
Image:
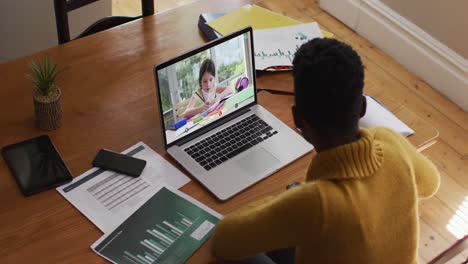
121,163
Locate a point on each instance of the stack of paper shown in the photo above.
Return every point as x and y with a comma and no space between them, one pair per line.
145,219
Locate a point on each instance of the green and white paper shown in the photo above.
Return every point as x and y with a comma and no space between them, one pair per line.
168,228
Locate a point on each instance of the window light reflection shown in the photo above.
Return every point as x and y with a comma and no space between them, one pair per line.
458,225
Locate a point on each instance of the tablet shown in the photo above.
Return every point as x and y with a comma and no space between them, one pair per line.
36,165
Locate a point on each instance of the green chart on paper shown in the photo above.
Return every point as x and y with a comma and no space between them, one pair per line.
279,53
166,229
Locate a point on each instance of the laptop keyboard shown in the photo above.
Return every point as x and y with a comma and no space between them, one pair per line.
227,143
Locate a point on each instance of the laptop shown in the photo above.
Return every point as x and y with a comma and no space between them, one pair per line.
235,142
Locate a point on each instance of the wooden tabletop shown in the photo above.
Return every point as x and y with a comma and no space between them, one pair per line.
109,101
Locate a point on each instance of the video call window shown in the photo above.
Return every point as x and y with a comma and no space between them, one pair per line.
180,83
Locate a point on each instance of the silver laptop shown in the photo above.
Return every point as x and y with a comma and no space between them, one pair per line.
232,142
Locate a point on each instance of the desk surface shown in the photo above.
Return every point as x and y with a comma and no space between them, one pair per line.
109,101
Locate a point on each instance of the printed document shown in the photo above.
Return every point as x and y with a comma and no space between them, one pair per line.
277,46
108,198
171,227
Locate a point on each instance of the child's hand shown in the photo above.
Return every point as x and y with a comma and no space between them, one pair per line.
205,106
214,101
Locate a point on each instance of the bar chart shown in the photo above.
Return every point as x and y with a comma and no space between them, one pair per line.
164,235
166,229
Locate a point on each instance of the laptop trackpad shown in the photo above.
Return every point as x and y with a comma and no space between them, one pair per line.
257,162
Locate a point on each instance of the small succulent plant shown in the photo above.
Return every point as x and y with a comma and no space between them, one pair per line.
45,75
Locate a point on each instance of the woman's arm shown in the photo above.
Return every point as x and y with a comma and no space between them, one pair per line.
427,176
270,224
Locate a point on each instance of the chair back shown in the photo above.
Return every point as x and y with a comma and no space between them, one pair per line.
62,7
453,251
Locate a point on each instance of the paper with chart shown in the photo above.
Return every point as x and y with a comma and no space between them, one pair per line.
168,228
277,46
108,198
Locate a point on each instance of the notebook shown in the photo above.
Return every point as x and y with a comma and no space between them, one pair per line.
255,16
235,142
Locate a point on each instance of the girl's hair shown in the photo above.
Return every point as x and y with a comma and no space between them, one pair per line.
206,66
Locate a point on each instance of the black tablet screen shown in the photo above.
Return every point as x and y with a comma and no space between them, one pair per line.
36,165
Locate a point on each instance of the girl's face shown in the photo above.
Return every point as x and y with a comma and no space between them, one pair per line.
207,82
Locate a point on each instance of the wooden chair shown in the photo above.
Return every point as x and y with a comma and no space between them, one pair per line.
457,248
62,7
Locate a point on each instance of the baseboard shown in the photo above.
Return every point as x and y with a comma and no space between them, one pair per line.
423,55
347,11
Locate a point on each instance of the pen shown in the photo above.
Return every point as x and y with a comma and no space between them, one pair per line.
200,97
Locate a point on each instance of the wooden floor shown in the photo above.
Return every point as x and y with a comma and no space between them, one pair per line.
450,154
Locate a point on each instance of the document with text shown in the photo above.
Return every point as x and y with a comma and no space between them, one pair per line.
168,228
107,198
277,46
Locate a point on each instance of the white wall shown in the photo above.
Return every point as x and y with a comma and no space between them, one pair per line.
28,26
431,59
447,21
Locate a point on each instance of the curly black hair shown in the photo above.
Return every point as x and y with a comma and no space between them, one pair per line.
328,83
206,66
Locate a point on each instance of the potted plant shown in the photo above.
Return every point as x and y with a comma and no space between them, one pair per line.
46,95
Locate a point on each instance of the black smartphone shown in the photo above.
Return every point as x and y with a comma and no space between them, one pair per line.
121,163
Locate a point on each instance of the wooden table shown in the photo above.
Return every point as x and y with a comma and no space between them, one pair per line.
109,101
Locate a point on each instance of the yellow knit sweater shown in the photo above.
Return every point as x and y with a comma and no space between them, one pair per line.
358,205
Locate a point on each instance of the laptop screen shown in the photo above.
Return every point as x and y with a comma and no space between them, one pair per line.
200,88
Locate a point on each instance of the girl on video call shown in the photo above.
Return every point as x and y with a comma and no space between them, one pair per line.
208,94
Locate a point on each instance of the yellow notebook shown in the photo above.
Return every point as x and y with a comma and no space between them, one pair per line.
255,16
